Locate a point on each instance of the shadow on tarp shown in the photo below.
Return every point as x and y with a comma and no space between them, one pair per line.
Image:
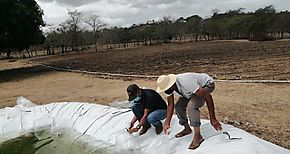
22,73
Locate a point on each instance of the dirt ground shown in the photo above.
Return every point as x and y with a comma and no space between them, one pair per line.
222,59
261,109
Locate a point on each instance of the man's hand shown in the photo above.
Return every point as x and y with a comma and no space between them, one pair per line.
132,130
130,126
170,109
216,124
166,129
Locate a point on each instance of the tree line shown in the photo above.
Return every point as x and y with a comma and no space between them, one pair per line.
263,24
81,31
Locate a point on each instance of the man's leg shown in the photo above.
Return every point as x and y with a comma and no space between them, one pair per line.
138,111
154,119
194,117
180,109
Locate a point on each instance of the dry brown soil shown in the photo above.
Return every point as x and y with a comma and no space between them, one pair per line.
222,59
261,109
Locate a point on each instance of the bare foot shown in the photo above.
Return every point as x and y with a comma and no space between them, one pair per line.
196,141
183,133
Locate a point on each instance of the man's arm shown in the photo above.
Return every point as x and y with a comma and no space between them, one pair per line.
131,129
210,106
170,109
143,119
141,123
134,119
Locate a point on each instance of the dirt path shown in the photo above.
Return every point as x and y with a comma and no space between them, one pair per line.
261,109
12,64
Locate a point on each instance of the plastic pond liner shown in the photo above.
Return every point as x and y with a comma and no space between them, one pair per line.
81,128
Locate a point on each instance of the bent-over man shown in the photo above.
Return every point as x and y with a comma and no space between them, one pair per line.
148,108
194,90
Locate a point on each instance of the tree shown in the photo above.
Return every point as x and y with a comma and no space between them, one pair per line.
136,34
164,30
96,24
262,22
20,25
215,12
53,39
108,36
233,24
179,28
194,25
73,26
65,40
282,23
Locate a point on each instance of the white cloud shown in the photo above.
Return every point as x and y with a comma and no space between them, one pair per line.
53,14
128,12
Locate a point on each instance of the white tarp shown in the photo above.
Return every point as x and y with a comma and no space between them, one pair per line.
107,124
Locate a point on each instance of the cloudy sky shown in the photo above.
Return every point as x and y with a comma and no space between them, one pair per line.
128,12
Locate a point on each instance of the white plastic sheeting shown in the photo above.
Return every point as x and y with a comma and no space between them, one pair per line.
104,127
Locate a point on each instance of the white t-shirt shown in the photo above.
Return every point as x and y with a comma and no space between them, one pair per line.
189,83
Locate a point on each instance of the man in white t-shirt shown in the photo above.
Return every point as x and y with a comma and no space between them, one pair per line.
194,90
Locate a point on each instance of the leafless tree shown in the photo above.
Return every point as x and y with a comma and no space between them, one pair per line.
96,24
74,27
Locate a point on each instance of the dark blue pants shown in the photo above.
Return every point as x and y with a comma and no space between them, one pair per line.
153,118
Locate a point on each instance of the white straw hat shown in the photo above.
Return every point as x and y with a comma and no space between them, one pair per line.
164,82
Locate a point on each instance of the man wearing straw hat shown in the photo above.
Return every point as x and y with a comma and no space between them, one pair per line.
194,89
